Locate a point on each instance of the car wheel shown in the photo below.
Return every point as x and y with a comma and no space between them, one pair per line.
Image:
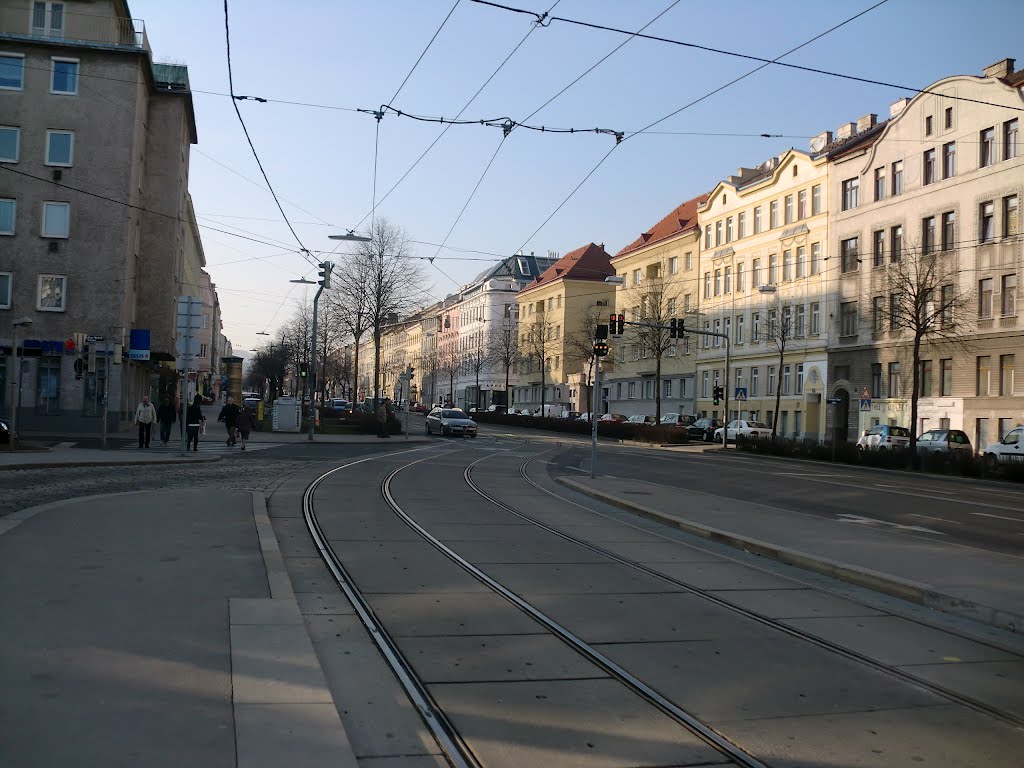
991,462
427,428
473,435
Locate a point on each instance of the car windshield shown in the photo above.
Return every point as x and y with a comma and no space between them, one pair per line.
454,413
899,432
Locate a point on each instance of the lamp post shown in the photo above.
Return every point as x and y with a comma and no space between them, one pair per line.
21,322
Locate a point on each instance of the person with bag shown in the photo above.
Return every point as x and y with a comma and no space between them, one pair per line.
166,415
195,421
229,415
145,415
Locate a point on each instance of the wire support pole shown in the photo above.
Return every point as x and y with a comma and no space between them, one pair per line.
312,365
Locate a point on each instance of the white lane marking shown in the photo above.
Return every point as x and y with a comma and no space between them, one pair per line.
861,520
911,488
1000,517
64,445
940,519
576,469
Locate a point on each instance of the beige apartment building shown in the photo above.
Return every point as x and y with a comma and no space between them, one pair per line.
940,184
556,312
660,270
763,284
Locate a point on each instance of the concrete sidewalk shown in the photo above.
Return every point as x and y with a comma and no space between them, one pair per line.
156,629
91,457
985,586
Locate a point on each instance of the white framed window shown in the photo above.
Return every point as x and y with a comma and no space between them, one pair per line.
12,71
63,76
56,219
48,18
8,208
632,390
10,143
673,265
60,148
6,280
52,293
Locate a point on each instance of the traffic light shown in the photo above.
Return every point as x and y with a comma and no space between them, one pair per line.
601,331
718,393
409,370
325,273
600,348
675,328
303,370
618,324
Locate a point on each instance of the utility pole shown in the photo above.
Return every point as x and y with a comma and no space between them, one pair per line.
325,282
600,350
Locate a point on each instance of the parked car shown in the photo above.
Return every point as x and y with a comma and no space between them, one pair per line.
450,421
340,404
677,420
571,415
420,408
639,418
497,408
947,441
884,437
703,428
743,428
616,417
1008,450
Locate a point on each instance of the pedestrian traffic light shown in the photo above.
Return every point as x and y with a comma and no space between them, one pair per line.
675,328
618,324
600,348
325,273
717,394
303,370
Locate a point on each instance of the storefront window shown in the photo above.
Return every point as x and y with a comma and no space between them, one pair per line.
48,386
94,385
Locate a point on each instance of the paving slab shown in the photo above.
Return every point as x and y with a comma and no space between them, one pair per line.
896,641
404,761
944,737
402,567
510,532
293,537
273,664
309,735
795,603
309,574
427,614
571,724
574,578
553,550
724,576
762,676
474,658
998,683
331,603
609,532
650,553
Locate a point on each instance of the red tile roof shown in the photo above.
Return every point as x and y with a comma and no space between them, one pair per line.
590,262
682,219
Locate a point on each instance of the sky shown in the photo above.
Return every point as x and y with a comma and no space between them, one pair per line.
324,159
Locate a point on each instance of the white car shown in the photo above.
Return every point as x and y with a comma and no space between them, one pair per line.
1008,450
741,427
884,437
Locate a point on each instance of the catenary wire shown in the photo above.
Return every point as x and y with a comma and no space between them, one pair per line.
427,48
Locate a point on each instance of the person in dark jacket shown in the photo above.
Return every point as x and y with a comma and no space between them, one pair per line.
194,420
229,415
244,424
166,415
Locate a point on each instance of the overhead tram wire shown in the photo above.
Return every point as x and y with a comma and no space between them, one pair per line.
675,112
427,48
234,102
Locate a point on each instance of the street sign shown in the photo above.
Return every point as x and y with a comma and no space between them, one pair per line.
865,403
741,394
833,400
186,345
93,339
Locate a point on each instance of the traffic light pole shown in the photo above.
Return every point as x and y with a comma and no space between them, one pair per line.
594,400
312,364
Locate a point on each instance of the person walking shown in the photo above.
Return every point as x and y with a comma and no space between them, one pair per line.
244,424
194,420
166,415
229,415
382,419
145,415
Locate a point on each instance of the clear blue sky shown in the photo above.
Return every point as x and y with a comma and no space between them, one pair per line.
355,55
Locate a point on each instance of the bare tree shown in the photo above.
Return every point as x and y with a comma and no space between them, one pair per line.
448,362
477,361
297,336
349,303
504,347
533,348
778,332
921,300
268,367
580,346
653,303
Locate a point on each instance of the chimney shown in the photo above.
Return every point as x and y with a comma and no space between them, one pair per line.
898,106
846,130
868,121
1002,68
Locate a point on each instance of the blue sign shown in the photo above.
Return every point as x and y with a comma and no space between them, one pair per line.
138,344
741,393
865,403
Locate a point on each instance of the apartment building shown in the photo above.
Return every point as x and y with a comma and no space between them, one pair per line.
654,374
94,213
930,206
763,285
557,312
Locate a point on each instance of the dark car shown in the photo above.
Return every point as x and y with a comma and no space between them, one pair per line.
703,428
677,420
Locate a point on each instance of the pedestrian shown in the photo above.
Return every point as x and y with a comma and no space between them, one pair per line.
166,415
382,420
244,424
145,415
194,421
229,415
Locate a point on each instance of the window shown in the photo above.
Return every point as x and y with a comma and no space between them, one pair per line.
773,214
879,184
928,234
895,311
946,377
632,390
5,290
1005,426
718,233
64,76
787,265
755,322
851,192
707,236
815,318
788,214
896,243
666,388
704,384
47,19
716,340
718,282
983,373
848,318
948,230
739,277
728,230
924,379
93,389
815,199
12,71
878,248
48,385
7,210
757,220
949,118
986,222
1011,216
741,225
773,323
56,219
10,143
815,258
985,297
755,278
947,298
878,314
801,262
707,285
980,432
929,166
928,127
671,306
773,269
897,178
688,261
52,296
785,379
848,251
801,204
894,380
739,329
771,379
800,327
687,302
1008,295
673,265
755,373
727,327
876,380
1006,365
988,147
949,160
1011,139
60,147
799,380
728,279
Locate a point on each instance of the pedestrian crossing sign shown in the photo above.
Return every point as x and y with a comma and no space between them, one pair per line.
741,394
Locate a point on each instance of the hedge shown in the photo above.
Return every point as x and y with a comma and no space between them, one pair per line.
644,433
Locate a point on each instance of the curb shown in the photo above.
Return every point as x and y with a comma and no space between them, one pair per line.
112,463
911,591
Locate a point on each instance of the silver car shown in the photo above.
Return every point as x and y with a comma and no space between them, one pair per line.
947,441
450,421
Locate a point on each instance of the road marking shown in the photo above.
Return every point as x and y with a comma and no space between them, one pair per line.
64,445
845,517
576,469
940,519
910,488
1000,517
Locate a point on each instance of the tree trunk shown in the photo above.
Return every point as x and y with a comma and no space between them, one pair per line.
542,377
913,396
355,368
778,393
376,363
657,389
508,393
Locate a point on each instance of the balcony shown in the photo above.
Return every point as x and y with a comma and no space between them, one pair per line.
38,22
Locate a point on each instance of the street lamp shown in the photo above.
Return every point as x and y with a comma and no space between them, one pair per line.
595,397
21,322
